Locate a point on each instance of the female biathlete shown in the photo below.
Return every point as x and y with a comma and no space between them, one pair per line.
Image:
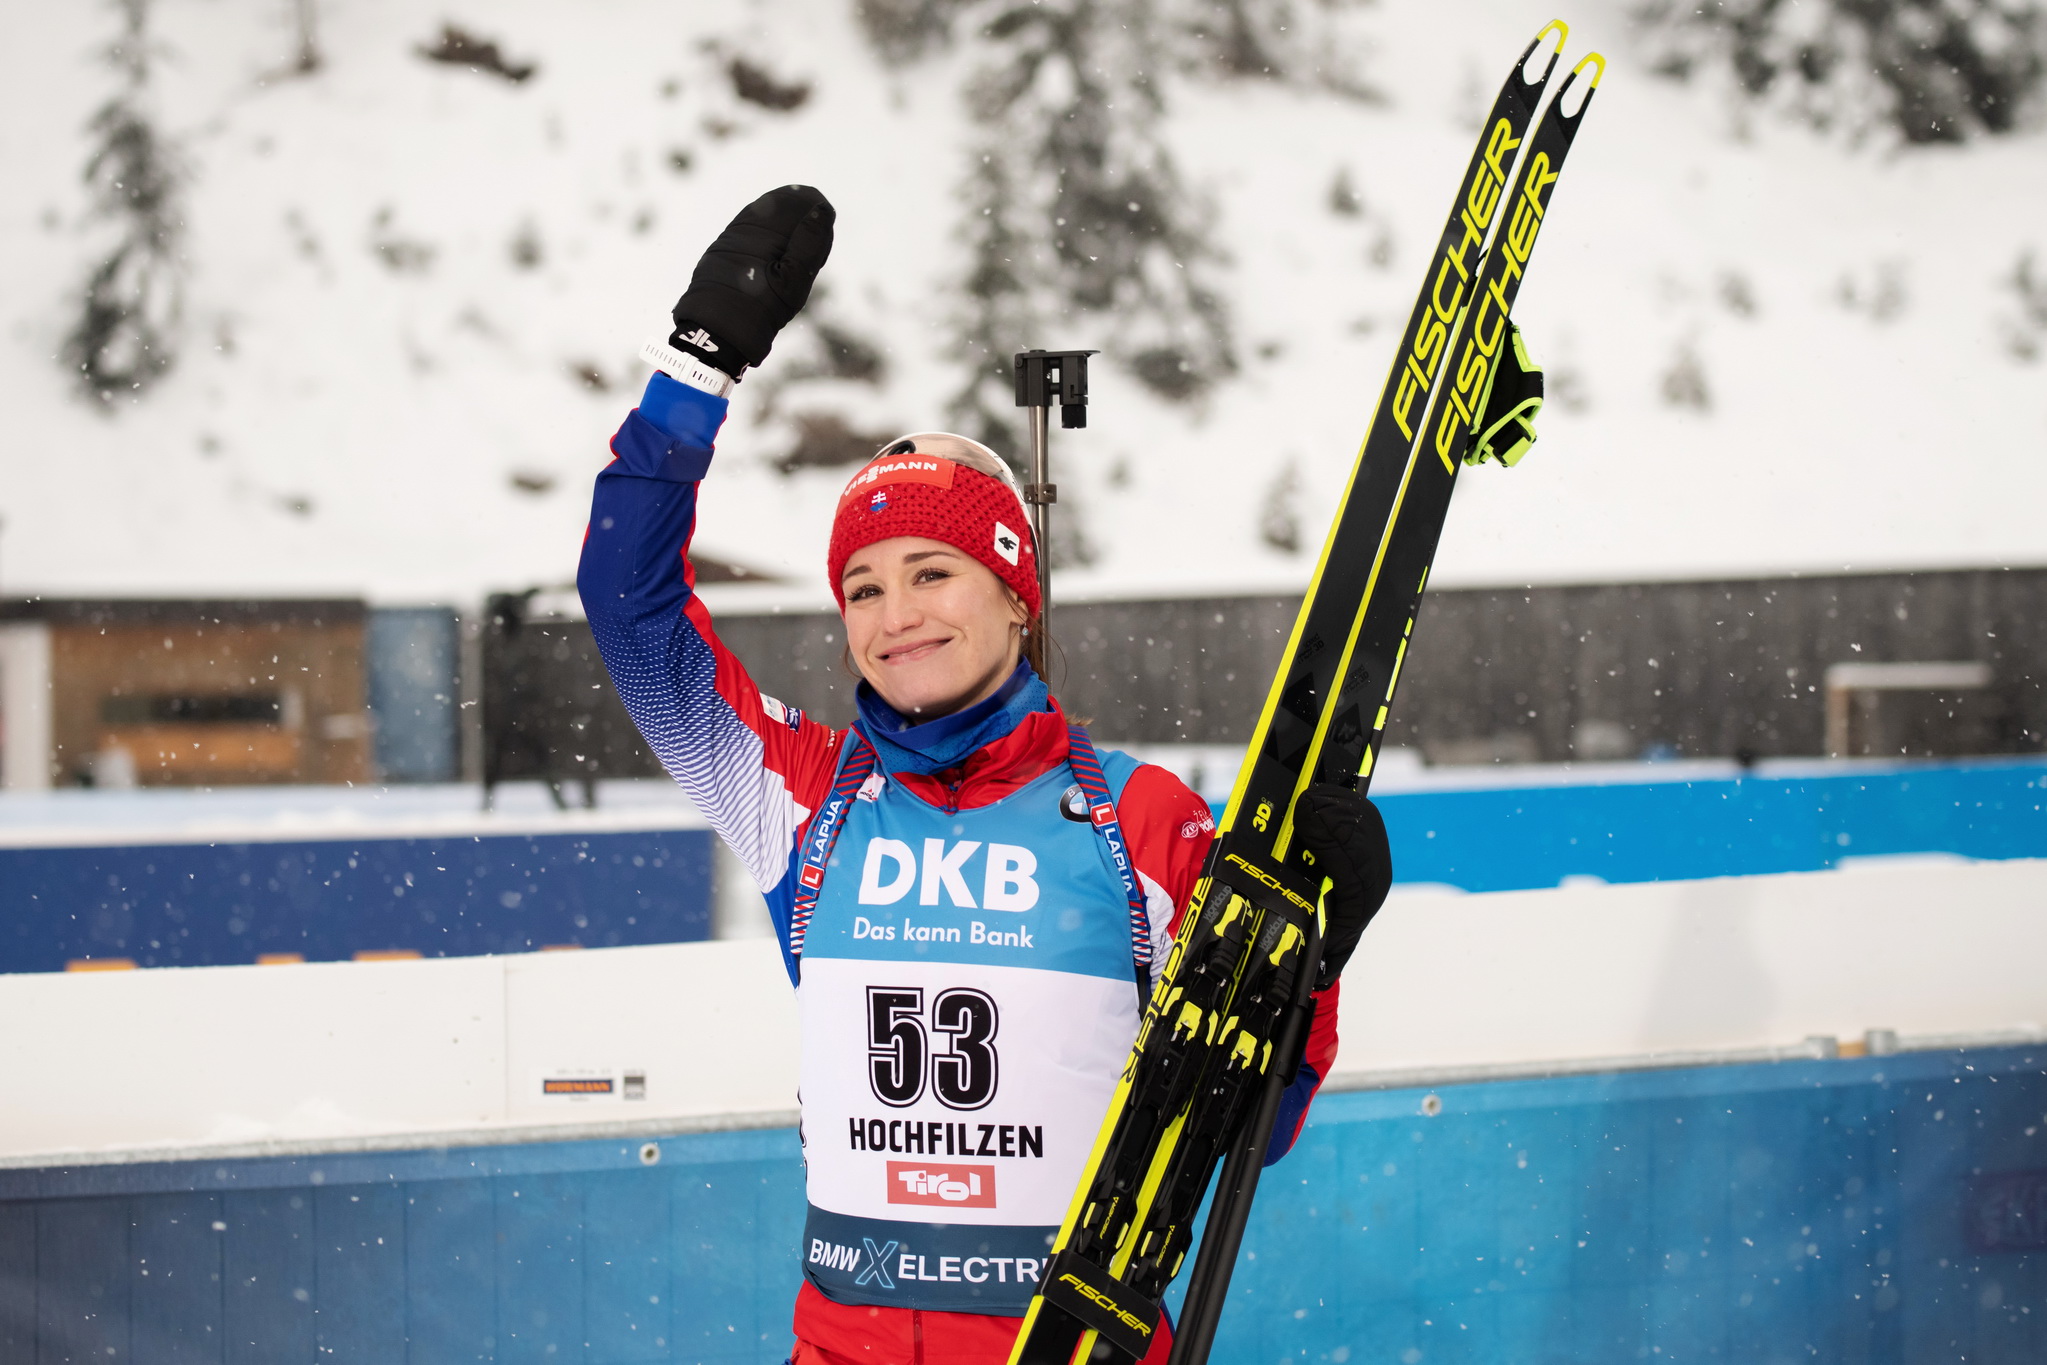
970,953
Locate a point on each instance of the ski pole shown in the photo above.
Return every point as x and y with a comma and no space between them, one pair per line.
1043,378
1201,1310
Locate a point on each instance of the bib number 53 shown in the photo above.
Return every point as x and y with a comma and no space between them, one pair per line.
901,1062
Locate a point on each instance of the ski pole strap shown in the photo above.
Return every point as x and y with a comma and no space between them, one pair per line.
856,765
1506,423
1094,785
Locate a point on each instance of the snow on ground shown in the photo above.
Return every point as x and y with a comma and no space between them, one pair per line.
338,425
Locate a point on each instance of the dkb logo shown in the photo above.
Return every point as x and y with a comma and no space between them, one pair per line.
1007,874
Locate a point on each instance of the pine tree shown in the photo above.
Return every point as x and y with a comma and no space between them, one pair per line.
1079,225
1929,70
123,339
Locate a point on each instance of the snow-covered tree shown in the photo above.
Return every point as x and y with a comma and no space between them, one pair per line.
1930,70
124,336
1081,228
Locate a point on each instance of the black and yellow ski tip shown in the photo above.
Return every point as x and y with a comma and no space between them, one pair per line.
1556,26
1596,60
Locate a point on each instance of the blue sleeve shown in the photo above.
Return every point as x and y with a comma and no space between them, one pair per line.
1293,1110
751,766
670,435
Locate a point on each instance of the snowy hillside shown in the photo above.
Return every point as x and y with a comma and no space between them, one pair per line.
414,293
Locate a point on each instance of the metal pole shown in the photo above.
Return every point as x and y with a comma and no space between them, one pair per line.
1042,379
1041,494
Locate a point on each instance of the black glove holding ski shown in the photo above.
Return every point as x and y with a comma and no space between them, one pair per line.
754,278
1343,832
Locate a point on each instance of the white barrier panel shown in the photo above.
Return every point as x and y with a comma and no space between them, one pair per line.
1921,947
248,1059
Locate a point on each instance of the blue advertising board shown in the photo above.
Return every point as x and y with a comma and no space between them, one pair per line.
213,904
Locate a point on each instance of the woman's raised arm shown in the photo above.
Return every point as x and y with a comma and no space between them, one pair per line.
754,767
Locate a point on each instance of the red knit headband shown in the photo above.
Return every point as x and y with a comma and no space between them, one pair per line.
904,493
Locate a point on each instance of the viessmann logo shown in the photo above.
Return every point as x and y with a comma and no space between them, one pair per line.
899,469
943,1184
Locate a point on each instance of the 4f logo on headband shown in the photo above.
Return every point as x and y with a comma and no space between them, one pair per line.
924,469
1006,543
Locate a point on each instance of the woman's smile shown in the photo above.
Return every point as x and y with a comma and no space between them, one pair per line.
913,651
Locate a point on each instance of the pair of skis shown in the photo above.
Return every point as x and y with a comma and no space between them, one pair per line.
1228,1017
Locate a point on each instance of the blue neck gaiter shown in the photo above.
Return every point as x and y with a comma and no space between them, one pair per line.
944,743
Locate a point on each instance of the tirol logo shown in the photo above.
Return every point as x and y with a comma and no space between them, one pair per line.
946,1185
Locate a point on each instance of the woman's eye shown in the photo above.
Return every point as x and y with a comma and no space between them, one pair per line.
862,593
931,575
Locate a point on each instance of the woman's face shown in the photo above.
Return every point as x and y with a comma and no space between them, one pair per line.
932,630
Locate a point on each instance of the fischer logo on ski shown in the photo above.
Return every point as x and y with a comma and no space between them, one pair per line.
1267,880
1125,1320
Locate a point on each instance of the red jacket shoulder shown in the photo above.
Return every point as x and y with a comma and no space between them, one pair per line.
1169,829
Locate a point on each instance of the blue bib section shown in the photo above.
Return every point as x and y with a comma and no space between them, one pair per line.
968,998
1026,882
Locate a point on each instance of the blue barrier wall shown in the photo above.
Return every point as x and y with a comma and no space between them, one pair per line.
196,905
1520,838
1877,1211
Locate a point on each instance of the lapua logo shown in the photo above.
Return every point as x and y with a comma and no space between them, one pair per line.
1004,874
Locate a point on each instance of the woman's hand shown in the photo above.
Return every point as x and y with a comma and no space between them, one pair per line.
755,278
1348,840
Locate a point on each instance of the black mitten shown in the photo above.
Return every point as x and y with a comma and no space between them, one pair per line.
1344,833
754,278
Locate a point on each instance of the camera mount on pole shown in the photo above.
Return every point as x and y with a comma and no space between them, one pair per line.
1042,379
